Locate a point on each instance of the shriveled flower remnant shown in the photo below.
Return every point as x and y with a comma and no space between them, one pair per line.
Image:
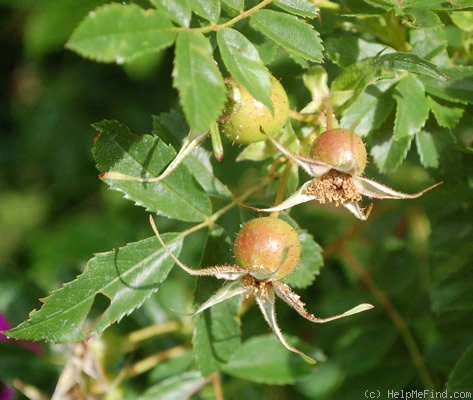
336,164
266,250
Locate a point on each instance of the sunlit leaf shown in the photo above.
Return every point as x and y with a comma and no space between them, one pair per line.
126,277
303,8
118,151
297,37
410,119
388,154
446,114
178,10
118,33
427,149
244,64
200,84
208,9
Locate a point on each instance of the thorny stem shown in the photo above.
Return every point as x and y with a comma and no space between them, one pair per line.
393,314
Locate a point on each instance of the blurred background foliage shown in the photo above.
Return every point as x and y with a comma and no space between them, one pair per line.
412,259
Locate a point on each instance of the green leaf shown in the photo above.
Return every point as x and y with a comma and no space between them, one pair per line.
298,38
370,109
264,359
388,153
427,150
345,51
310,263
237,5
208,9
199,163
177,196
178,10
461,377
421,19
175,387
303,8
217,329
244,64
126,276
412,108
198,80
118,33
454,293
458,90
446,114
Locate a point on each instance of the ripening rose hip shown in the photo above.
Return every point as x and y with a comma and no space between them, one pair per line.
244,115
339,147
268,243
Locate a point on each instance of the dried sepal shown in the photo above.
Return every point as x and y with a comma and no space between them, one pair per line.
284,292
266,304
373,189
226,292
298,197
228,272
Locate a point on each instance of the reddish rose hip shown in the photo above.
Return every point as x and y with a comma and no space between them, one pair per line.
268,243
339,147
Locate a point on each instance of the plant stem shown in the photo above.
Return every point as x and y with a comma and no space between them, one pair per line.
149,362
150,331
233,21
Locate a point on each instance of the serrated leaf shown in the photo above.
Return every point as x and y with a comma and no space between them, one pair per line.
175,387
126,276
177,196
427,150
421,18
388,154
208,9
196,76
303,8
178,10
345,51
263,359
446,114
217,330
370,109
118,33
412,108
297,37
199,163
461,377
310,263
244,64
454,293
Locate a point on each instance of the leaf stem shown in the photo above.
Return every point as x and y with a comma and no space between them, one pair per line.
233,21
